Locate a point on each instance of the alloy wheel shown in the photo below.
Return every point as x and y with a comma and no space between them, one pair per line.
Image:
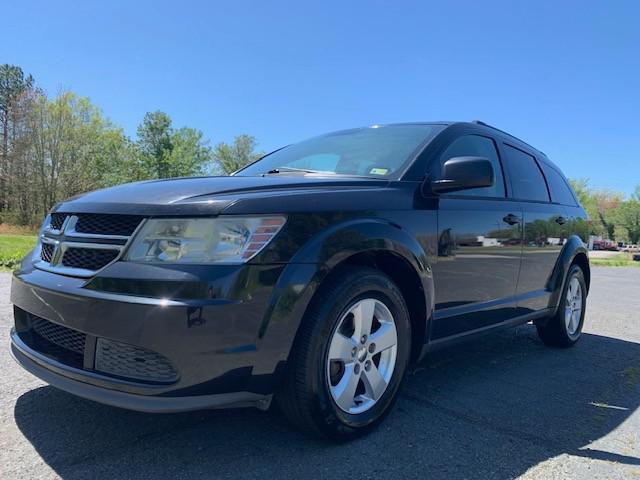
362,356
573,307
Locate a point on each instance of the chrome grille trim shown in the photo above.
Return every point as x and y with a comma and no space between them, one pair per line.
67,237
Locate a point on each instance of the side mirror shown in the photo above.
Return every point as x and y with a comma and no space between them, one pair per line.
463,173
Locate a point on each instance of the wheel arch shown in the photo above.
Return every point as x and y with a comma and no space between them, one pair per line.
582,260
361,242
574,252
405,276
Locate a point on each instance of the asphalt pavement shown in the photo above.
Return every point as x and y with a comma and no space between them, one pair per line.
503,406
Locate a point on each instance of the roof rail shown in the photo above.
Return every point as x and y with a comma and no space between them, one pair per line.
480,122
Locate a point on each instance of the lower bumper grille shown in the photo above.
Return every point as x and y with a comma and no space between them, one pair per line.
63,344
57,334
129,361
116,359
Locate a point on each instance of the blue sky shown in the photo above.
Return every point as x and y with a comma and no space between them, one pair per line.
563,76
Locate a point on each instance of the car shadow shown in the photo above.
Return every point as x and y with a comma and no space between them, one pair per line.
491,408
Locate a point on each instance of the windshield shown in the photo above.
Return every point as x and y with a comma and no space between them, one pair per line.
373,151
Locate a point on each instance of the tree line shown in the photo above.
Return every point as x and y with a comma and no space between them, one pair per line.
52,148
613,216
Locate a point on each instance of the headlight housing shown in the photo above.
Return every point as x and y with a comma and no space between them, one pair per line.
203,240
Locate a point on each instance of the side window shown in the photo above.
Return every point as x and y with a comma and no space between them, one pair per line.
560,191
477,146
526,178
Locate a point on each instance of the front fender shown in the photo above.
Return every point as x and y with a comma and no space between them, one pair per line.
327,250
346,239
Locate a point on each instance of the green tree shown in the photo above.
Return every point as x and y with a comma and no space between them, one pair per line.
601,206
581,187
231,158
166,152
154,140
587,200
74,148
55,148
628,217
118,160
13,85
606,204
191,154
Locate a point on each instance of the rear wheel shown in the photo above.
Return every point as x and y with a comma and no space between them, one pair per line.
350,356
565,327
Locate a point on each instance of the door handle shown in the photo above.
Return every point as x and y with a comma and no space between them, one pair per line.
561,220
511,219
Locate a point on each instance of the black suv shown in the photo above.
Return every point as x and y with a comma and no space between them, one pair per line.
314,275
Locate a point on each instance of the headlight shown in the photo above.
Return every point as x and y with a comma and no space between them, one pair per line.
203,240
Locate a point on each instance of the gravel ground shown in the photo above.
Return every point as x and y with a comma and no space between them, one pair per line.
503,406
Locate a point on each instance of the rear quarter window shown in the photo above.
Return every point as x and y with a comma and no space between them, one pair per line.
526,178
560,190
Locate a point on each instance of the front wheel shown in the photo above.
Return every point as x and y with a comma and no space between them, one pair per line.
565,327
350,356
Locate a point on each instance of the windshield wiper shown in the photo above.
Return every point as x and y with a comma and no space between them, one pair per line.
295,170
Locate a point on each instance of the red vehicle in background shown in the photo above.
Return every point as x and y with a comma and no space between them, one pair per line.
605,245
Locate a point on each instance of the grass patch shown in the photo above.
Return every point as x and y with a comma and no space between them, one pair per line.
624,259
13,248
6,229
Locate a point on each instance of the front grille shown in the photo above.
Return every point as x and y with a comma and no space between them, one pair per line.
57,219
81,244
46,253
105,224
88,258
129,361
57,334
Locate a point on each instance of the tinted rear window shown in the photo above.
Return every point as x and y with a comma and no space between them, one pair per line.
560,191
526,177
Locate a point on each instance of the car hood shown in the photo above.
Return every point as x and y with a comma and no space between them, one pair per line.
210,195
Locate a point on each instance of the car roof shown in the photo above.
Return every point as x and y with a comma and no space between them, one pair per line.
474,123
518,142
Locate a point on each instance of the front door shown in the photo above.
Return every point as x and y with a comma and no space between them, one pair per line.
479,249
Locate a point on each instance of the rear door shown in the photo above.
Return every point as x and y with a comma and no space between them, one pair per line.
574,220
479,246
543,228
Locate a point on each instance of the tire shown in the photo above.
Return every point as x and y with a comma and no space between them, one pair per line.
565,327
316,391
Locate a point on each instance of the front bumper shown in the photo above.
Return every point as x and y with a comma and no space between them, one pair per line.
60,376
227,348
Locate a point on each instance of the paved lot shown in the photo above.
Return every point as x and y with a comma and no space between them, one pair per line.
500,407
